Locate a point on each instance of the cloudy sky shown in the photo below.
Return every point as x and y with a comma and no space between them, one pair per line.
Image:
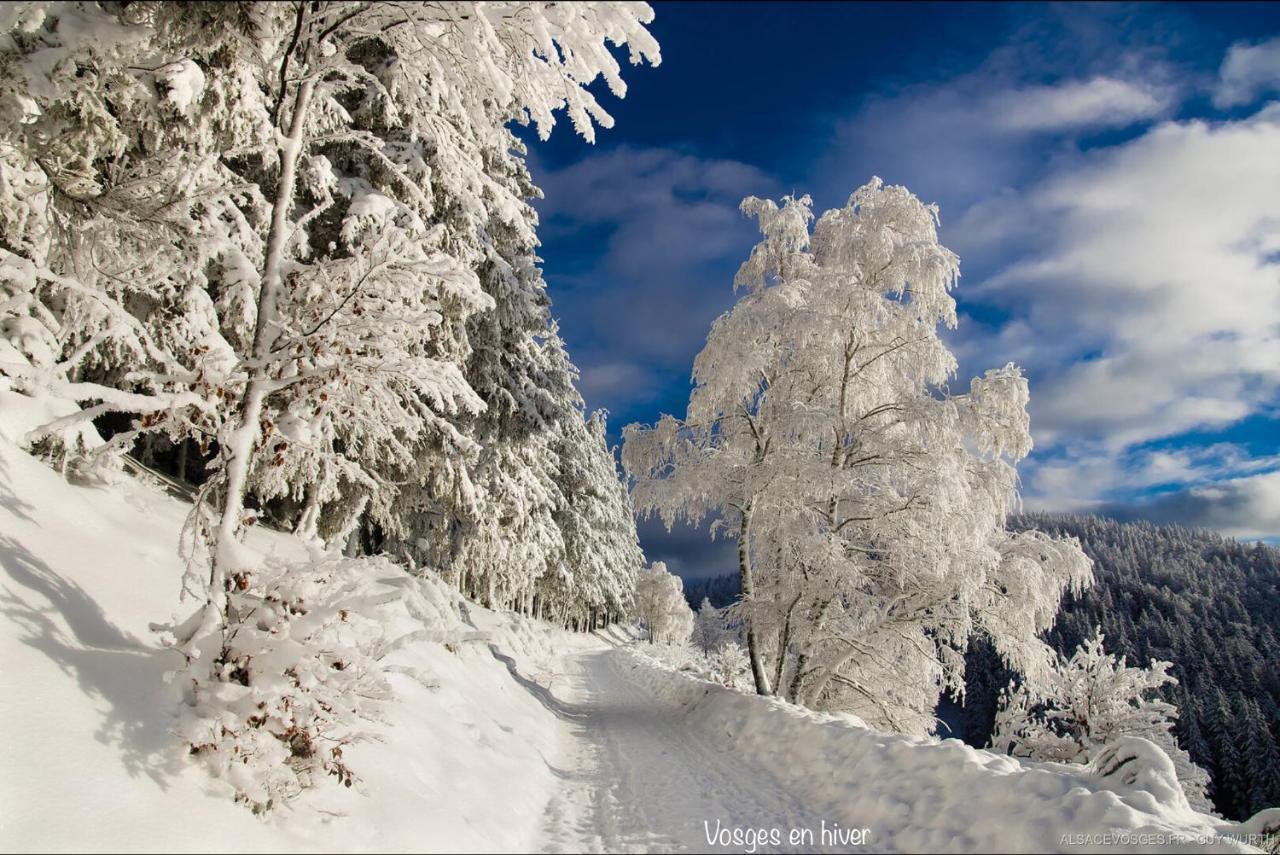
1109,176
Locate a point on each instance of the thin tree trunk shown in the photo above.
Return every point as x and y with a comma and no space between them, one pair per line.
784,642
803,657
748,589
240,448
811,696
308,527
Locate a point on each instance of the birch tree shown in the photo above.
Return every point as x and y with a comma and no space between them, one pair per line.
661,607
867,500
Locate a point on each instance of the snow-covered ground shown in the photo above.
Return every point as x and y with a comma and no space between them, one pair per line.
90,761
504,735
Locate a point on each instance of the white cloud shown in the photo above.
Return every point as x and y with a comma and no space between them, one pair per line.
1158,263
1077,477
1246,507
608,380
1247,72
1099,102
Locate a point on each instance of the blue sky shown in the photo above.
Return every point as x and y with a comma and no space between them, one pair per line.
1108,174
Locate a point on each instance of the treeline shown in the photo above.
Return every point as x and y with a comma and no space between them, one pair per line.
720,590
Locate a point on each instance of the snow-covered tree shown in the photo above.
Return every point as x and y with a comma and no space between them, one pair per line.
708,628
311,146
660,606
730,664
268,228
868,502
1088,701
498,544
597,524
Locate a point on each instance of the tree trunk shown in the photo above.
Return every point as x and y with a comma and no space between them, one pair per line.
784,641
242,440
308,527
802,658
811,696
744,577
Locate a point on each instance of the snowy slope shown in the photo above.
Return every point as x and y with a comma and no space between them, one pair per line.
90,762
919,795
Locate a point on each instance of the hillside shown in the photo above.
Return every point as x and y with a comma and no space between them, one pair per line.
1206,603
95,765
612,750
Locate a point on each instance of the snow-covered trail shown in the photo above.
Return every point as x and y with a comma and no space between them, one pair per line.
653,760
634,780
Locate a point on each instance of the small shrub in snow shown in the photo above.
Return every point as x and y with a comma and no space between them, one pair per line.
1090,702
682,657
731,665
1139,764
271,701
727,665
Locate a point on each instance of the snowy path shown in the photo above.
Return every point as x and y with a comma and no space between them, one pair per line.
633,780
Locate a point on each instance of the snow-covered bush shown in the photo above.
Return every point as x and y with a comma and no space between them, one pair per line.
730,665
271,701
681,657
1086,705
38,419
1135,763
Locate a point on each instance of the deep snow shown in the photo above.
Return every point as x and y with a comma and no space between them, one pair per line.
505,734
90,761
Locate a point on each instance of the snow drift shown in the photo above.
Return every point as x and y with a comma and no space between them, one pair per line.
918,795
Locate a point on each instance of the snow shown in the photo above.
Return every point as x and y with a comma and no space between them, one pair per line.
914,794
183,83
504,734
24,413
97,767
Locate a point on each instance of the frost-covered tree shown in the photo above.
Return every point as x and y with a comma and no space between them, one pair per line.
1088,701
496,545
1202,601
597,524
708,628
868,502
660,606
286,194
268,229
730,664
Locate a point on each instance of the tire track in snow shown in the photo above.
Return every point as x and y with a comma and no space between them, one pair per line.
638,781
